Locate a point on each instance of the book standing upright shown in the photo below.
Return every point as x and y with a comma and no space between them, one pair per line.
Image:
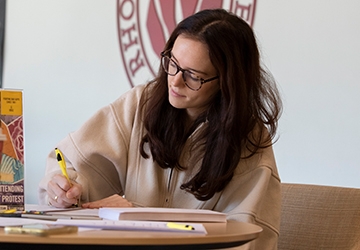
12,153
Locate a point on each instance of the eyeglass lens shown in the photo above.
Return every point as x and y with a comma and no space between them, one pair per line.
172,69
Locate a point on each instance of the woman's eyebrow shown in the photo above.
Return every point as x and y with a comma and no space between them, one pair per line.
188,69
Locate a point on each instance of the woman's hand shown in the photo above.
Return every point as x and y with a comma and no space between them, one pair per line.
111,201
61,193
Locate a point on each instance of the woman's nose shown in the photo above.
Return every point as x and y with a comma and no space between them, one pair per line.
177,80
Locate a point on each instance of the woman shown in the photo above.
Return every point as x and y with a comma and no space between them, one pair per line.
198,136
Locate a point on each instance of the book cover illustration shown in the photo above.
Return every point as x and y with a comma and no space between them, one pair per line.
12,153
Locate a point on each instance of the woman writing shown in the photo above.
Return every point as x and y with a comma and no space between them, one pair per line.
198,136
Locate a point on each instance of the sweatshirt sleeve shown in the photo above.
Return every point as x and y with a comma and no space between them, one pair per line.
254,196
97,154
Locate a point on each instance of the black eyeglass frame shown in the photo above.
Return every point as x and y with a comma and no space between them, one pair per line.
178,69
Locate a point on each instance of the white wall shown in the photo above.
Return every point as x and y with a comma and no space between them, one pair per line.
313,49
65,55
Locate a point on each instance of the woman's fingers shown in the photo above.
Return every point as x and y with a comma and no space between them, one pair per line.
111,201
61,193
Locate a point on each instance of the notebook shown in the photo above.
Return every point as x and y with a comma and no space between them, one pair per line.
161,214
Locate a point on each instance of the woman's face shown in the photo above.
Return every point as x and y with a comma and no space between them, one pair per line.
191,55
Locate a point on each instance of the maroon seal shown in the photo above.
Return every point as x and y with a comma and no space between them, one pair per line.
143,29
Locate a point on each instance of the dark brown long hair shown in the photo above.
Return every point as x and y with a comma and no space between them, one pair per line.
242,117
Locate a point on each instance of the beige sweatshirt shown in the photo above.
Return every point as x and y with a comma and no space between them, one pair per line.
103,156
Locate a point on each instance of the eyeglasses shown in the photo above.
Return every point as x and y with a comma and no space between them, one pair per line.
192,81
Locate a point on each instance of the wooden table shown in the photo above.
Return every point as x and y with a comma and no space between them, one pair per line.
220,235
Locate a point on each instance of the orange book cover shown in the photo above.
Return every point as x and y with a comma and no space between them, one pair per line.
11,150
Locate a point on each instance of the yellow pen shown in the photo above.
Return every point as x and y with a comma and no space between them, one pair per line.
9,211
179,226
61,160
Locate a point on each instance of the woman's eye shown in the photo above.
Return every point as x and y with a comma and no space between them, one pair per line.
193,77
172,64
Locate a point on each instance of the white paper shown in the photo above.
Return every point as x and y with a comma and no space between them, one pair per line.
15,221
133,225
52,213
162,214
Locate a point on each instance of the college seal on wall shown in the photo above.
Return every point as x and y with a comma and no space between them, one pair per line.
144,27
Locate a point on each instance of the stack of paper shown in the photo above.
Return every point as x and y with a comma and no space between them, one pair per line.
157,226
161,214
134,218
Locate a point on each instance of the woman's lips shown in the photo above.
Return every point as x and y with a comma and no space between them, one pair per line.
175,94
